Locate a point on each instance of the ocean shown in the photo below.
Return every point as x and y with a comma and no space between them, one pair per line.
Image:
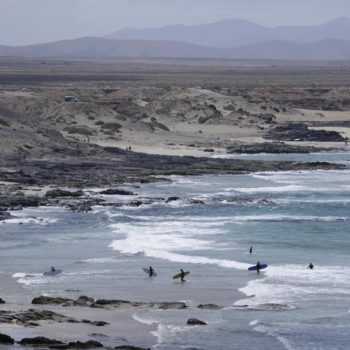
289,218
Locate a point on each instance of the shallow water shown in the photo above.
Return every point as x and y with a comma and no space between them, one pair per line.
304,218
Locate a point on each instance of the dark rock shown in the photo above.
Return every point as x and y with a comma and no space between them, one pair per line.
120,303
196,201
269,147
114,303
331,106
208,307
90,344
300,132
83,300
136,203
4,215
13,201
210,150
265,201
6,339
130,347
169,305
2,301
44,300
39,341
172,199
57,193
95,323
195,322
117,192
83,207
31,317
267,118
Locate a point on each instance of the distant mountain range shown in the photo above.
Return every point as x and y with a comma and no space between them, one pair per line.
238,32
223,40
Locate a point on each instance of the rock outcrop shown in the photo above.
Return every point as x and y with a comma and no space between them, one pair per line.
208,307
31,318
6,339
301,132
106,303
195,322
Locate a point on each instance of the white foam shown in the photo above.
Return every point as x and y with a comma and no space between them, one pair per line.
164,239
308,181
166,333
19,275
30,279
294,284
144,320
26,220
273,189
281,217
270,332
100,260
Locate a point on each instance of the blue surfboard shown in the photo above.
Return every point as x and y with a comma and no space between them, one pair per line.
253,268
52,273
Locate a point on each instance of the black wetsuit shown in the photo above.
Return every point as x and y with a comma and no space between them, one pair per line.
151,272
311,266
182,275
251,250
258,267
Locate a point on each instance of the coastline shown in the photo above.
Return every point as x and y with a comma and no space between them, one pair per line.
145,324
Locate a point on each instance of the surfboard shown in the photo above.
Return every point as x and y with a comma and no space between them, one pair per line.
253,268
178,275
146,270
52,273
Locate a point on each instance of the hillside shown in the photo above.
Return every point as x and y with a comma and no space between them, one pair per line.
238,32
92,47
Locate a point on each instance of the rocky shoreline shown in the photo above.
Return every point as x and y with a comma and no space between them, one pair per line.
65,180
36,317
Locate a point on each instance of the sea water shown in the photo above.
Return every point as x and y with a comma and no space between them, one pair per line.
290,218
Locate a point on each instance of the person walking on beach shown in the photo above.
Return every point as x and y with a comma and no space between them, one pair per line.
182,275
251,250
151,271
311,266
258,267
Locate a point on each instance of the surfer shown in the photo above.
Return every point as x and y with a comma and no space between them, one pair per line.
182,275
251,250
151,271
258,267
53,269
311,266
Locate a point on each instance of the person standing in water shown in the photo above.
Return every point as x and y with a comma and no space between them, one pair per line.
182,275
311,266
151,271
258,267
251,250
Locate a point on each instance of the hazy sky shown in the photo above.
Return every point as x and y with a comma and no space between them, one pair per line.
33,21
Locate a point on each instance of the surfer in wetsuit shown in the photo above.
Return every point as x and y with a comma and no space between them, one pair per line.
251,250
151,271
311,266
182,275
258,267
53,269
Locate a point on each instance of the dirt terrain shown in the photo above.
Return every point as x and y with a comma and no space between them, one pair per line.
59,116
165,107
